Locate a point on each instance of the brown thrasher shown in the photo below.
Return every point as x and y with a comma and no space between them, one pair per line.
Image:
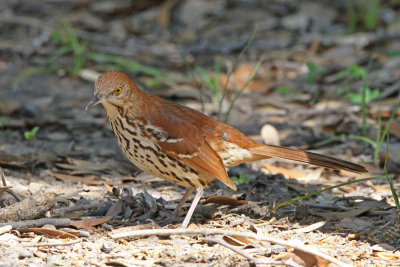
183,145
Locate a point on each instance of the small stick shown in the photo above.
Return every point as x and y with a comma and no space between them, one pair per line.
63,222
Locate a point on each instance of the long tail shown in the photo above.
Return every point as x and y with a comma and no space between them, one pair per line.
306,157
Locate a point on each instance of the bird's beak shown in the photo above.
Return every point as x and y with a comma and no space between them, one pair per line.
94,101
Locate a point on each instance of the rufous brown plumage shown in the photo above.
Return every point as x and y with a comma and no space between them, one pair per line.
183,145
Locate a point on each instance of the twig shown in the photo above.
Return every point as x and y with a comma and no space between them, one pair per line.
222,242
167,232
53,244
39,223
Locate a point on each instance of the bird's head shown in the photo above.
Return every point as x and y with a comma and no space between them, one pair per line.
112,88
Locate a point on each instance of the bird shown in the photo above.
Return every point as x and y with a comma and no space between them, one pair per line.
183,145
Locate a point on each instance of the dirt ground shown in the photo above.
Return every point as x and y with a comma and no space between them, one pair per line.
67,190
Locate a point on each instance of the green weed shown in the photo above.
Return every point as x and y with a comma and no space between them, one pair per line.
313,71
283,90
365,94
31,135
242,179
362,15
212,82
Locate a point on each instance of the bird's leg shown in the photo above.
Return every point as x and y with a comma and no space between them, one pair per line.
199,194
174,214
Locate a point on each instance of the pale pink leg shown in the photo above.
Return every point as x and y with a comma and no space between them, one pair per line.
199,194
174,215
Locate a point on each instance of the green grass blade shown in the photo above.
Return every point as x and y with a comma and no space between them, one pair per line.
326,189
130,64
389,178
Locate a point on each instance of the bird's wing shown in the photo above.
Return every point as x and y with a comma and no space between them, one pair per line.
185,142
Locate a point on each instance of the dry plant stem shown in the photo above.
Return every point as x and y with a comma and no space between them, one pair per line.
167,232
222,242
53,244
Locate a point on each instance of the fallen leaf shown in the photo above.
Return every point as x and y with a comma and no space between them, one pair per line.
237,241
224,200
383,247
115,209
340,215
308,228
49,232
88,180
108,187
82,223
286,172
394,128
83,165
355,224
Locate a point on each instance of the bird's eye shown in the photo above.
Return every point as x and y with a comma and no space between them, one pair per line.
118,91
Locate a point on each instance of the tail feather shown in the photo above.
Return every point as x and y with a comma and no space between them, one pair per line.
306,157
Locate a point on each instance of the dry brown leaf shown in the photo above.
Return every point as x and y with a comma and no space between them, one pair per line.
82,223
128,179
50,232
243,73
3,188
340,215
88,180
108,187
286,172
378,188
308,228
304,259
83,165
385,255
115,209
237,240
224,200
394,128
12,164
232,241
